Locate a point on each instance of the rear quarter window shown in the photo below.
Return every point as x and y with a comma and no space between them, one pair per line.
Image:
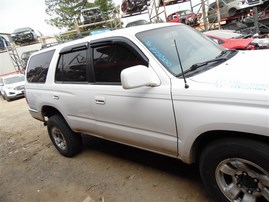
38,67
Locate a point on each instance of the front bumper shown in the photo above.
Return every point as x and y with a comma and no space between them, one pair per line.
13,94
23,38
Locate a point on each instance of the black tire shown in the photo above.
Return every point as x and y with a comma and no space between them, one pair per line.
234,168
6,97
67,142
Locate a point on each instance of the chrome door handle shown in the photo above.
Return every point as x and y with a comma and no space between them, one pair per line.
100,100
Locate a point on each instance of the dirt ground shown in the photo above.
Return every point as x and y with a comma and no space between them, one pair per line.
31,169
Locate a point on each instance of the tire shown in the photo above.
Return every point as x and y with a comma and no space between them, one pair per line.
6,97
67,142
236,170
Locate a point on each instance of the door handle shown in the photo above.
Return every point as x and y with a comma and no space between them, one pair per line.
100,100
56,97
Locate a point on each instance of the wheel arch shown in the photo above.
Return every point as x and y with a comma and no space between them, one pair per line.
232,11
208,137
49,111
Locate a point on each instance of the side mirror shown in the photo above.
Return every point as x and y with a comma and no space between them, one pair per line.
138,76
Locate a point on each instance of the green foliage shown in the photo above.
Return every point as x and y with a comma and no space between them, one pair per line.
106,6
63,12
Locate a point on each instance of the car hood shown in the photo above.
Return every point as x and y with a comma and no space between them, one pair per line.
14,85
237,43
246,72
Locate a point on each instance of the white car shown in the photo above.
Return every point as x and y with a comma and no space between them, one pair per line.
166,88
12,86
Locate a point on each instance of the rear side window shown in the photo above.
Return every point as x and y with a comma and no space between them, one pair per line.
38,67
72,67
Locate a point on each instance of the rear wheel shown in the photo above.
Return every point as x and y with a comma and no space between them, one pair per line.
236,170
67,142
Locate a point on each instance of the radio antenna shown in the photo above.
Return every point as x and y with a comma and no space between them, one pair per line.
179,60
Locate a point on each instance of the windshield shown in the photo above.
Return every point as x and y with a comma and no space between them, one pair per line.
15,79
24,29
193,47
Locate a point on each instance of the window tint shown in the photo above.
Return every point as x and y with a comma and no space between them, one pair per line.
110,60
72,67
38,67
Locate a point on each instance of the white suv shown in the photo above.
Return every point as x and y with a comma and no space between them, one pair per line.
165,88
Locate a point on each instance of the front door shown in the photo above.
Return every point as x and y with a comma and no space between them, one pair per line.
142,117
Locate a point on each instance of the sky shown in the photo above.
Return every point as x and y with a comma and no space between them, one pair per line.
31,13
24,13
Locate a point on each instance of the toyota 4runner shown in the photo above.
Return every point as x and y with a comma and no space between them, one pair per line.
165,88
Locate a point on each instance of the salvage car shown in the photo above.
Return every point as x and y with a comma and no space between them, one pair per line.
12,86
185,16
165,88
24,35
133,6
91,15
232,40
229,8
3,44
137,22
25,56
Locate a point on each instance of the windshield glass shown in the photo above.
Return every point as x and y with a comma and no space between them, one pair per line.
193,47
24,29
15,79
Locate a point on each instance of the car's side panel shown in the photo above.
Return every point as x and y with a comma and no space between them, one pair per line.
141,117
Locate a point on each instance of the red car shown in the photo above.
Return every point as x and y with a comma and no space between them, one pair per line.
185,16
231,40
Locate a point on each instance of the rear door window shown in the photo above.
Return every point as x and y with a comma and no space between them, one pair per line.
72,67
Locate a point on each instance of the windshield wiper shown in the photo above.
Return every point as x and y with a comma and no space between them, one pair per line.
197,65
224,52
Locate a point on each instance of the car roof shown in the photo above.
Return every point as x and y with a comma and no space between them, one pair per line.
124,32
22,29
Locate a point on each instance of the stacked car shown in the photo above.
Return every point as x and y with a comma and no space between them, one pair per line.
24,35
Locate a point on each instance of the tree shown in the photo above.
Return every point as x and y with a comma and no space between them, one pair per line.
63,12
105,5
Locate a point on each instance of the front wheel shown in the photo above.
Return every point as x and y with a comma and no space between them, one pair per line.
67,142
236,170
5,97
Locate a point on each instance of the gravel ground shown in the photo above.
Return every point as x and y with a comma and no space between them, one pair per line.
31,169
